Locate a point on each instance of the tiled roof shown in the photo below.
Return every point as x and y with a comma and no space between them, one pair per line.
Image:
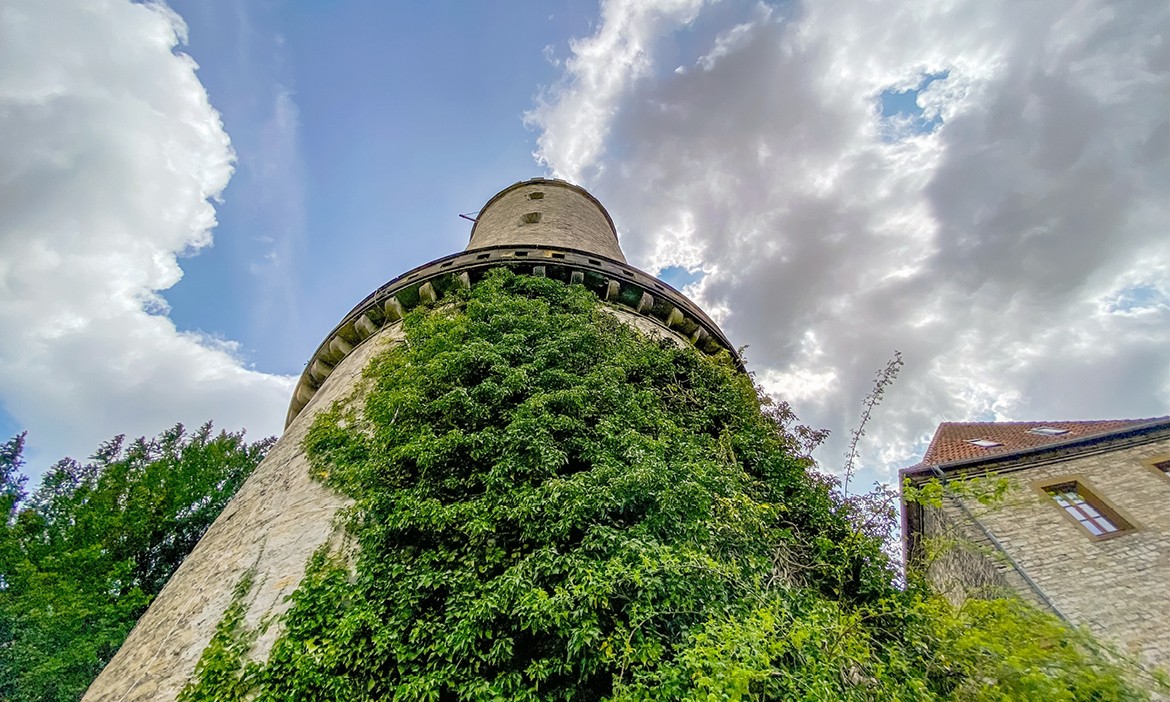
951,440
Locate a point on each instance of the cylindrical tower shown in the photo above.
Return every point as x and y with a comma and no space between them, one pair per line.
540,227
546,213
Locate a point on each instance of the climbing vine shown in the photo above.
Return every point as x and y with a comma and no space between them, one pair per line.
550,506
224,671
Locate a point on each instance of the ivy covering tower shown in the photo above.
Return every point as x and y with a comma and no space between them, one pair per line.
531,471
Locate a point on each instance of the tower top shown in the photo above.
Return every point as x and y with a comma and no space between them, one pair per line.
546,212
541,227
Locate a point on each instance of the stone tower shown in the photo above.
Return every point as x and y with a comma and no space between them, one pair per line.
540,227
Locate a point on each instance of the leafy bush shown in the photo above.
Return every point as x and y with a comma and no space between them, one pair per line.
548,505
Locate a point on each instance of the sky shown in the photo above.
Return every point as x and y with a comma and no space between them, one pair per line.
193,194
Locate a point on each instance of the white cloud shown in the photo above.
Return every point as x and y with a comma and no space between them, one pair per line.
1016,254
279,193
600,72
111,153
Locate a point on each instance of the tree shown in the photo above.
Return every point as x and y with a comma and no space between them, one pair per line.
11,481
86,552
550,506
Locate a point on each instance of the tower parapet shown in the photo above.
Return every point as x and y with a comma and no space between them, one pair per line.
542,227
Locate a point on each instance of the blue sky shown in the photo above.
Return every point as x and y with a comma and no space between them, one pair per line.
984,187
902,107
415,117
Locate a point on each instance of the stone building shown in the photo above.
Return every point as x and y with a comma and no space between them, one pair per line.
1083,530
539,227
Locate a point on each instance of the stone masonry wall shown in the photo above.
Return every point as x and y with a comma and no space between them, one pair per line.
1118,587
274,524
546,213
648,326
962,563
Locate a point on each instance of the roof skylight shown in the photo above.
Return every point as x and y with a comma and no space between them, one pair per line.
1047,431
983,443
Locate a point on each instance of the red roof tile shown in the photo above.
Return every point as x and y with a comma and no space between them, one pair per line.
950,441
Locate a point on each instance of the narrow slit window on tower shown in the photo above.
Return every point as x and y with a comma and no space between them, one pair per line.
481,257
1087,509
530,218
538,195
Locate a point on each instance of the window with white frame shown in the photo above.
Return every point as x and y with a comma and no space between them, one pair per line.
1087,509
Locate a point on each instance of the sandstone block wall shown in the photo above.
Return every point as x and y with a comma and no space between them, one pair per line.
1119,587
647,325
963,563
546,213
274,524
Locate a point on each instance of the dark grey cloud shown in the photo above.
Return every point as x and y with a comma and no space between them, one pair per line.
991,250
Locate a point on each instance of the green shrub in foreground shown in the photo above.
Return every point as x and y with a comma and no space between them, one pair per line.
548,505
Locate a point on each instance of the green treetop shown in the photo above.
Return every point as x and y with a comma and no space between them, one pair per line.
85,553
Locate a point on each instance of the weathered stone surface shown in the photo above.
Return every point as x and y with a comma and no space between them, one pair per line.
964,563
1118,587
647,325
274,524
569,217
